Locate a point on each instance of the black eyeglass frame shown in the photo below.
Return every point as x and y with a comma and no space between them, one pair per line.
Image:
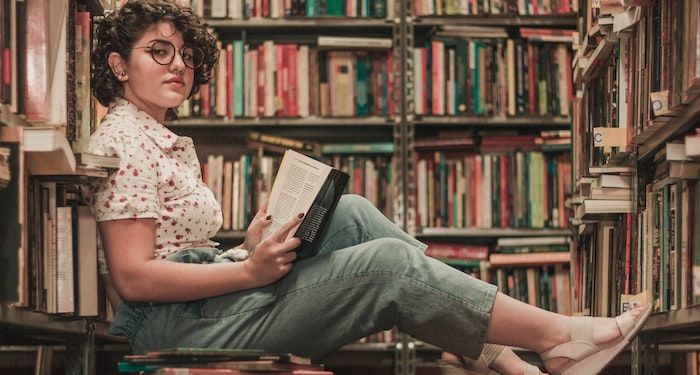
175,50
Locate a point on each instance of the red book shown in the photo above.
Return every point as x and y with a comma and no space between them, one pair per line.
435,71
535,10
261,80
36,52
532,89
205,95
293,90
279,62
229,79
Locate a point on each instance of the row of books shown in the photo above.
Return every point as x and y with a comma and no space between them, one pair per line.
528,269
493,76
640,70
242,185
292,80
492,7
279,9
34,61
509,190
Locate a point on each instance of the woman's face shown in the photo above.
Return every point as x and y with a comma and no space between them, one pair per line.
151,86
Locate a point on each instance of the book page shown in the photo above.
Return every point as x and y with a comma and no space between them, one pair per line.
298,181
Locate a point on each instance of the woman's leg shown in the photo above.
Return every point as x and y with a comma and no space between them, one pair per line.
354,221
330,300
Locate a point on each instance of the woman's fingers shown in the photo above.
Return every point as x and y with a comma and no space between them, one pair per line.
281,234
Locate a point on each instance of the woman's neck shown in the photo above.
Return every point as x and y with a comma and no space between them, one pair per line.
158,113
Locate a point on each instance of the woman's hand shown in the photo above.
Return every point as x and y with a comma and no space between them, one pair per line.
273,257
253,235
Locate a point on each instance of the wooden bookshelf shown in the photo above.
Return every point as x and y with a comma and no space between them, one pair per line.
658,133
563,20
489,233
264,122
540,122
529,259
328,23
8,118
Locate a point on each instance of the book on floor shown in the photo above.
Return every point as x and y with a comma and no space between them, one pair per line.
304,185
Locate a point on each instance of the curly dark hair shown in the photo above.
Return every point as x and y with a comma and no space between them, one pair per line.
119,30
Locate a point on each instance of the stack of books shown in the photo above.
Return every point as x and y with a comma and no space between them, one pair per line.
202,361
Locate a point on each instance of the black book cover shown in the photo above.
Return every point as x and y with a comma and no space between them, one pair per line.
316,220
10,229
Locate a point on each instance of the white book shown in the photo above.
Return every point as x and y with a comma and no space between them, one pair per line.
270,64
612,180
218,8
86,266
304,185
221,80
235,9
353,42
48,151
533,241
419,83
303,81
64,261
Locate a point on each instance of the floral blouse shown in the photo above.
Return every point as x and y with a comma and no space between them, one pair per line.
159,177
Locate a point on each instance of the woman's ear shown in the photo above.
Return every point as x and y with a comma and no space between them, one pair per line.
118,66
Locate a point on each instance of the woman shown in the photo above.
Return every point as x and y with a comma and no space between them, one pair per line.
149,57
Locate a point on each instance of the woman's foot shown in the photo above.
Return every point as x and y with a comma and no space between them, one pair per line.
505,363
603,332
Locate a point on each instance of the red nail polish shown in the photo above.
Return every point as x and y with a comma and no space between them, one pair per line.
301,215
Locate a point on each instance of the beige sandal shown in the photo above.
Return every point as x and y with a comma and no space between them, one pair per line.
586,358
468,366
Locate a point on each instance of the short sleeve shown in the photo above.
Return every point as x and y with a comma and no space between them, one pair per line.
132,190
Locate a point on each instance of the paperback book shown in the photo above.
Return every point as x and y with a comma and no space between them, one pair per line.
304,185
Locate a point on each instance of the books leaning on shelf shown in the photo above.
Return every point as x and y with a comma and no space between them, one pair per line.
304,185
278,144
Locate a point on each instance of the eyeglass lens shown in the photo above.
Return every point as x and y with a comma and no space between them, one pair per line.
163,53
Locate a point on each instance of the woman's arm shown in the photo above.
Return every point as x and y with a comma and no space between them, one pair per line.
137,276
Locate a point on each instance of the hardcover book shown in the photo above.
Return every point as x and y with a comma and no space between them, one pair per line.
304,185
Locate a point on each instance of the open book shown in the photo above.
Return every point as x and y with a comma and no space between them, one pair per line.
304,185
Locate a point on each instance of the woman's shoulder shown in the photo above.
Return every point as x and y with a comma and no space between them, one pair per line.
114,132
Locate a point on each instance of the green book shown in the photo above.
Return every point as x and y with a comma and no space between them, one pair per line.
358,148
310,8
361,89
335,7
238,78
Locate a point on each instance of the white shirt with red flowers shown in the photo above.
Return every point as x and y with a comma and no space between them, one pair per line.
159,177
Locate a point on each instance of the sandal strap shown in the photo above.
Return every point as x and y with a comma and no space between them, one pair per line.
625,323
490,352
581,344
531,369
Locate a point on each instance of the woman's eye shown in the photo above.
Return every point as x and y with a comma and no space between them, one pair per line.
158,52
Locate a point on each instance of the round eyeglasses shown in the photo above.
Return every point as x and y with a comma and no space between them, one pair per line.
163,52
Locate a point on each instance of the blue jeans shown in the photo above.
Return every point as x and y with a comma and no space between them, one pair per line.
369,276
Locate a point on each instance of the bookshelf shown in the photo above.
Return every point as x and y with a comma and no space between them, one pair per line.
647,56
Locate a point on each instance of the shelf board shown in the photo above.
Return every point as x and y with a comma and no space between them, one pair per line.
659,133
529,259
229,235
559,122
683,319
301,23
38,321
369,347
286,122
11,119
490,232
498,20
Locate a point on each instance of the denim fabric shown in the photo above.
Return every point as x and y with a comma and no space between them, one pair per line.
369,276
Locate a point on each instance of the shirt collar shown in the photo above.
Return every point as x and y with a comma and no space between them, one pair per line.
161,135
